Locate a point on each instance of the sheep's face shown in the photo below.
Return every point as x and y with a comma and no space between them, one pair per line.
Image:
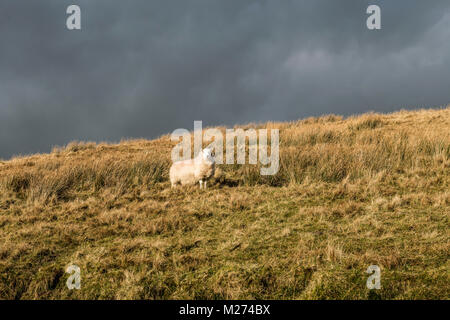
208,154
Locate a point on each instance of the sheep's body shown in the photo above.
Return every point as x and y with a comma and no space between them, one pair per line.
189,172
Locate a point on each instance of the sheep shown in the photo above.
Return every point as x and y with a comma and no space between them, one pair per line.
188,172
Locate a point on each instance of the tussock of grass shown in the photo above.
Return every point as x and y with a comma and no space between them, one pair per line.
372,189
367,122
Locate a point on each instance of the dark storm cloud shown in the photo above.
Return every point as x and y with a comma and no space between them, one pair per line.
144,68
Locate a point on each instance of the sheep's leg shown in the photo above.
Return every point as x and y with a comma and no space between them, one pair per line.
204,184
201,182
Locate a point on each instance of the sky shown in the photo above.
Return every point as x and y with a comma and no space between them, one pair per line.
143,68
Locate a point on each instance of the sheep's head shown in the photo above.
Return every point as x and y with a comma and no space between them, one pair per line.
207,154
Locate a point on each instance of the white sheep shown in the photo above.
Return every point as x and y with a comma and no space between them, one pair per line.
188,172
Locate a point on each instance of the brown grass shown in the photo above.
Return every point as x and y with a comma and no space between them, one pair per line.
372,189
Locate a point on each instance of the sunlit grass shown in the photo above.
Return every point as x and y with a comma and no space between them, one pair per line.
372,189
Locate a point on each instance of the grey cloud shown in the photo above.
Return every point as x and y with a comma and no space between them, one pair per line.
144,68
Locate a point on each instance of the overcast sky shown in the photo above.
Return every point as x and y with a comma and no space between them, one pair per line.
144,68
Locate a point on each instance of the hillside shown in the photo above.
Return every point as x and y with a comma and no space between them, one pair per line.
350,193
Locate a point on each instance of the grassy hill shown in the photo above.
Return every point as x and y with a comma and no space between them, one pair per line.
372,189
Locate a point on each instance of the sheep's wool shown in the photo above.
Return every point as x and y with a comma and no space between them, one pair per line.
189,172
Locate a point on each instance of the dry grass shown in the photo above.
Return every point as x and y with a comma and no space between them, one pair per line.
372,189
